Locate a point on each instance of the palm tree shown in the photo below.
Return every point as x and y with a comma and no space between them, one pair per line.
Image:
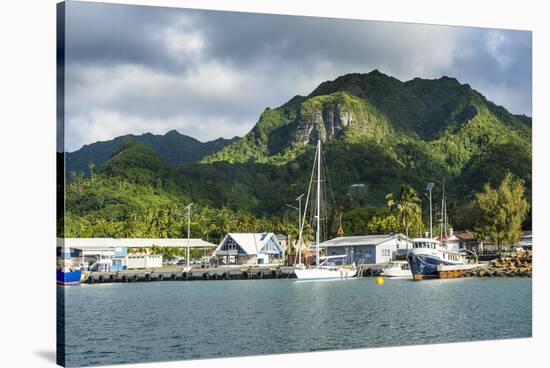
223,222
277,225
243,222
406,206
254,224
91,166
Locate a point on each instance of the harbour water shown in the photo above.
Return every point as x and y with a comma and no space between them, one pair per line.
156,321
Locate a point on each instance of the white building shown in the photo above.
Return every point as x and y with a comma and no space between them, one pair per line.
526,240
249,248
120,254
451,241
137,261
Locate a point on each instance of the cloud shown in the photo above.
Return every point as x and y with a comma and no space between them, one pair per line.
134,69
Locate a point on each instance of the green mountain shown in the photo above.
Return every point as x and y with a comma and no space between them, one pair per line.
374,108
174,147
378,133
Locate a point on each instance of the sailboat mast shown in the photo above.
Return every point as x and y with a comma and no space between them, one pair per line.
318,202
444,215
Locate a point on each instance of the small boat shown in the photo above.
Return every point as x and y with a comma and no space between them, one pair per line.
326,270
427,254
397,269
68,272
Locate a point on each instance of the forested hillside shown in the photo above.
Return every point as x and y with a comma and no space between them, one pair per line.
174,147
378,134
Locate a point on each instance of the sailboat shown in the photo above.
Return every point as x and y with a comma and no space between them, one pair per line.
323,268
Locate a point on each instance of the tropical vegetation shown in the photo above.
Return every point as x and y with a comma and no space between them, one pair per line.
380,136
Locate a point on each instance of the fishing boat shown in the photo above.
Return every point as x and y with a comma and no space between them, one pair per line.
427,254
323,269
397,269
69,271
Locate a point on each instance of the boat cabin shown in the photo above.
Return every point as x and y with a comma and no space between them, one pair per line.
426,243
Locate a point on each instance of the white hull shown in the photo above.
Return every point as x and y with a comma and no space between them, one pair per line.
324,274
396,273
397,270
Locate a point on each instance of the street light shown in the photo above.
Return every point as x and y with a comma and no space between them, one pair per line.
429,188
299,208
188,208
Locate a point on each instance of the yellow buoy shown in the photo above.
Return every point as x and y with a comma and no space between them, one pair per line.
379,280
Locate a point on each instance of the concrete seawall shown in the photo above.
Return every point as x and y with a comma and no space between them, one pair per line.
179,274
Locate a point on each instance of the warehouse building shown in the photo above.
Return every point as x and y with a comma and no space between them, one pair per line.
110,254
369,249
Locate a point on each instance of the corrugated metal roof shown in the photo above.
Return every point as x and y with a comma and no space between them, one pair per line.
97,243
349,241
465,235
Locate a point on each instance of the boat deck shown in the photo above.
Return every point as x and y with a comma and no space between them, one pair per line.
455,271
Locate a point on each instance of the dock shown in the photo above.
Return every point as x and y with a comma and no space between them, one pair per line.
455,271
213,273
195,274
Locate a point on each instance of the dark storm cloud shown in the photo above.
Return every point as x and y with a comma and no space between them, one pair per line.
498,64
106,34
132,69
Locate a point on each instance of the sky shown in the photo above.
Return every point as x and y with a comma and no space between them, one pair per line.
207,74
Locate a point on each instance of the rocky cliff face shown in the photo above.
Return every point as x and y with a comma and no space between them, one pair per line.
324,124
368,108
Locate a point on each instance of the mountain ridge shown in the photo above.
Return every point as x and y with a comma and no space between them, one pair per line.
370,107
372,145
173,146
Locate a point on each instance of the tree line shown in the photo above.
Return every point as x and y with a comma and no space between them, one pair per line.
496,213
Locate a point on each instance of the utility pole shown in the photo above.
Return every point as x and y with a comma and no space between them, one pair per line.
299,208
188,208
299,199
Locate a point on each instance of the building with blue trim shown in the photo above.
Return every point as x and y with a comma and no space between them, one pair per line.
249,248
110,254
369,249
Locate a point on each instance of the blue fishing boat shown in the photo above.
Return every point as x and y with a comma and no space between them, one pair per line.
69,271
427,254
69,277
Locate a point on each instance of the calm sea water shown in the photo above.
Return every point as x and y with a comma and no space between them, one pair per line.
138,322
